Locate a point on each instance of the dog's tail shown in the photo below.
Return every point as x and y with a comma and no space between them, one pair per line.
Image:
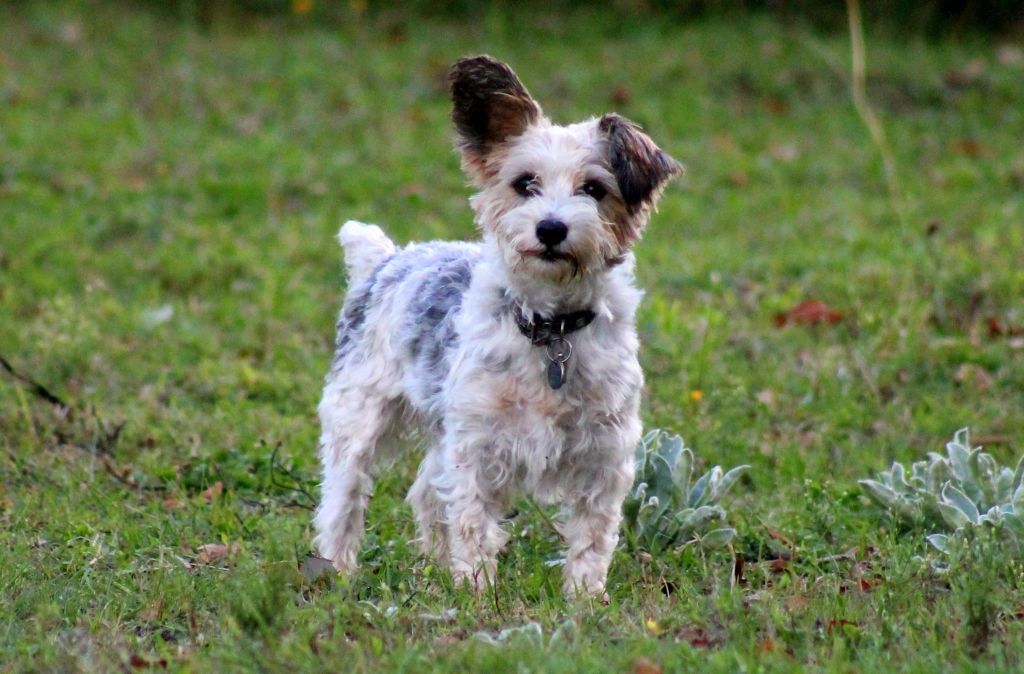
365,247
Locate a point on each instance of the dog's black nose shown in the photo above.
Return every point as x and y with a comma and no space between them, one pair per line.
551,232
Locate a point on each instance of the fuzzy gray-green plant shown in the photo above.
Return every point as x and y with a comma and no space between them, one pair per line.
664,508
966,488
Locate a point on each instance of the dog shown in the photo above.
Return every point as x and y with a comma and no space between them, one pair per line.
515,356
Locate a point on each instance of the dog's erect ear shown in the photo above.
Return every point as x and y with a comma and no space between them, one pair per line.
639,166
490,104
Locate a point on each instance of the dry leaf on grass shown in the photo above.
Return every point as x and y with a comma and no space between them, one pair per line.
644,666
809,312
974,376
969,147
314,567
212,553
621,94
997,328
152,612
214,491
139,662
697,637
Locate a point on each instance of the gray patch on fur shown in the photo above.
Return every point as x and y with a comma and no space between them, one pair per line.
430,330
353,314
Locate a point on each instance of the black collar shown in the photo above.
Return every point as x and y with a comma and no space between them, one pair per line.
542,330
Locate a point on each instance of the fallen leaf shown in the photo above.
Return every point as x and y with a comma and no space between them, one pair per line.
314,567
840,623
152,612
868,584
621,95
139,662
777,535
653,627
211,553
974,376
809,312
739,179
776,106
737,571
997,328
968,147
214,491
767,645
695,636
644,666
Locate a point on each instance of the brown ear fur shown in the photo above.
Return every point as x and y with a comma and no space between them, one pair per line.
489,104
639,166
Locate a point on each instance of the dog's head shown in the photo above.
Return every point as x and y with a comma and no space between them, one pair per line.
561,201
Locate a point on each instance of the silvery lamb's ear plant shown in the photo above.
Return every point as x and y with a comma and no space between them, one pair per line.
664,508
966,488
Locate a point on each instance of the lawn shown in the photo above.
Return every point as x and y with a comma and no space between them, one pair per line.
169,194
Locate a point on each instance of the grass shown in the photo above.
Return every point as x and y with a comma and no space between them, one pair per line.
168,200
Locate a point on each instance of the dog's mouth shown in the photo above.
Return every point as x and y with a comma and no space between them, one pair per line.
553,258
548,255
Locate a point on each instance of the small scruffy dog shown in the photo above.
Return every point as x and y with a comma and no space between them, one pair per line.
517,355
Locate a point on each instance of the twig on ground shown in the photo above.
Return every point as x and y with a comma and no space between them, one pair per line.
276,465
546,519
37,389
104,442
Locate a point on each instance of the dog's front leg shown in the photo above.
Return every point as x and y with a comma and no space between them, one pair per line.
592,530
473,509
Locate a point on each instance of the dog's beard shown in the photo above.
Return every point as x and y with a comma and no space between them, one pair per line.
560,265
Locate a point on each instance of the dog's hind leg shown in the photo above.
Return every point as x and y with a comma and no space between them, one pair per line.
429,510
353,421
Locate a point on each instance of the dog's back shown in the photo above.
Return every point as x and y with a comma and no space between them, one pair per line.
424,285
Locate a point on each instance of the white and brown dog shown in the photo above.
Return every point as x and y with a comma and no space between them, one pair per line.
517,355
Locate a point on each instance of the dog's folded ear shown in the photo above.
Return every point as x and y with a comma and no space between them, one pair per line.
490,105
639,166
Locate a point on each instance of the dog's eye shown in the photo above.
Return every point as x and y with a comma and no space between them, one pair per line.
594,190
526,185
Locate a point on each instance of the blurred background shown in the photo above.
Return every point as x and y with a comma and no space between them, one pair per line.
935,17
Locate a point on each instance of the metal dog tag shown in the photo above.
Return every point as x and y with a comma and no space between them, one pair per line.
559,349
556,374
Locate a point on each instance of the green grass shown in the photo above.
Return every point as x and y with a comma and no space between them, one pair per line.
168,200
